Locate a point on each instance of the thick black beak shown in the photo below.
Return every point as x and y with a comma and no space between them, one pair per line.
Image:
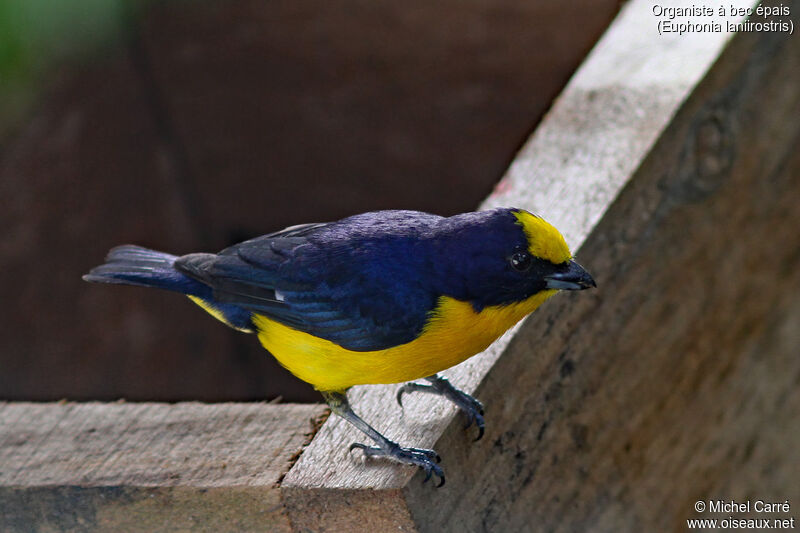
573,278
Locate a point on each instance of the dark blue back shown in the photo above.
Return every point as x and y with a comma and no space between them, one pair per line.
369,281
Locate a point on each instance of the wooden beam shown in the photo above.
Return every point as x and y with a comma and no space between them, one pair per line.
147,466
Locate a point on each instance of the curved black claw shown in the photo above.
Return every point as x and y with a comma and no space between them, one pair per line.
413,387
425,459
474,411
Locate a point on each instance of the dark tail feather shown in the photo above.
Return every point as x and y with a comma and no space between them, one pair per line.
134,265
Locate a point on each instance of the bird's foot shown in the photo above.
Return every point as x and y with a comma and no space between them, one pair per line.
425,459
471,406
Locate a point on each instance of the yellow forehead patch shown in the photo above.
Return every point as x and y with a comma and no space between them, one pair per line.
544,241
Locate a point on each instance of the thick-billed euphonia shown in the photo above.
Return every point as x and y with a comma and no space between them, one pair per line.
381,297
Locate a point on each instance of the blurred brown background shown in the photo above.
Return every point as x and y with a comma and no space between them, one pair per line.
188,126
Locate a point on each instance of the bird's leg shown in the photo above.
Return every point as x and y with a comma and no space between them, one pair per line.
425,459
441,386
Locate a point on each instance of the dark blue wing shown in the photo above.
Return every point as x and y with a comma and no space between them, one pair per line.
336,281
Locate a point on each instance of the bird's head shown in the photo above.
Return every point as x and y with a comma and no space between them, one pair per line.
508,255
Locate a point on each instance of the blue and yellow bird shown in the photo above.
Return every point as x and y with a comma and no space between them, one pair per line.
381,297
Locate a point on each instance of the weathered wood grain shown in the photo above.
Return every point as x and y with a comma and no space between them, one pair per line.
663,163
677,380
147,466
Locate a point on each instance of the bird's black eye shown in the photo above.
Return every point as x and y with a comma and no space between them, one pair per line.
521,261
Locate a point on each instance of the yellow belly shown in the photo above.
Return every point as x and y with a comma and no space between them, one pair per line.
454,333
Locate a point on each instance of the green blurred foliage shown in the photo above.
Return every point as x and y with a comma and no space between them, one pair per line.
36,35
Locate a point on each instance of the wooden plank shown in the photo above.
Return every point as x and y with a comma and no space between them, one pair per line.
653,163
147,466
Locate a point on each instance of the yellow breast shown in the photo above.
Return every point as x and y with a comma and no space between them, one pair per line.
454,333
